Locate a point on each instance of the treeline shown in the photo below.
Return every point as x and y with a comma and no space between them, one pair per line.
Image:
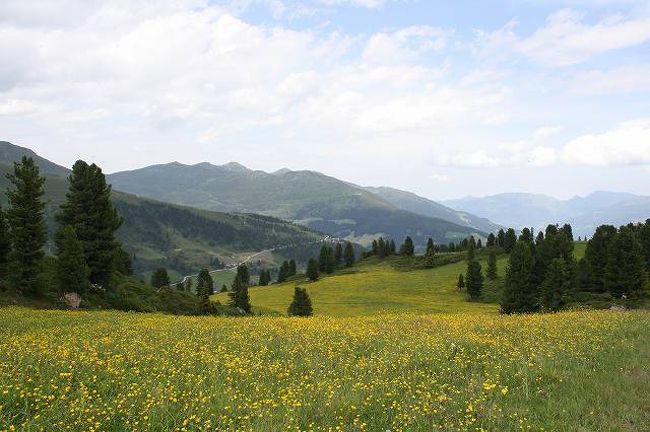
543,275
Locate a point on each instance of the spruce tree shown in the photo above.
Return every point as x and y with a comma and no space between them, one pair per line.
188,285
644,239
160,278
392,247
520,295
348,255
71,269
89,210
408,248
283,273
625,271
5,249
597,253
224,289
509,240
292,269
381,248
491,240
474,276
338,254
301,304
583,276
556,285
26,220
461,282
431,248
204,284
264,278
312,270
239,297
492,265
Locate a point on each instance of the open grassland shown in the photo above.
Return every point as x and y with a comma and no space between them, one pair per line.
404,372
376,287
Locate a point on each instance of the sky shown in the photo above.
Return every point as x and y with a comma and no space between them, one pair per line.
445,99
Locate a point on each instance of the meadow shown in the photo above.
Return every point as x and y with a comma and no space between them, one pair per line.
64,370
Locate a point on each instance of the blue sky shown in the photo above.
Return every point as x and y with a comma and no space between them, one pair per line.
445,99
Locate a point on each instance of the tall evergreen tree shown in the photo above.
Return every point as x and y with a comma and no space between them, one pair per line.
265,278
597,253
243,274
431,247
312,270
381,248
408,248
474,276
392,247
283,273
625,271
644,239
26,220
583,276
204,284
501,238
301,304
292,269
71,269
89,210
520,295
509,240
461,282
491,240
160,278
348,255
492,265
239,296
556,285
338,254
5,249
326,259
375,248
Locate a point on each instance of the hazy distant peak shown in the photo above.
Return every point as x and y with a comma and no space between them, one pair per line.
234,166
282,171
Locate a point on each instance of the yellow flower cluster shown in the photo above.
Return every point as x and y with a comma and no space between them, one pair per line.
115,371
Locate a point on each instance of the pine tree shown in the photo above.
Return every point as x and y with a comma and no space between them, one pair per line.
431,248
381,248
326,260
312,270
555,287
625,271
122,261
474,275
392,247
583,276
408,248
204,284
375,248
160,278
492,265
188,285
224,289
5,249
264,278
491,240
89,210
283,273
509,240
461,282
520,294
338,254
71,269
243,274
501,238
644,239
27,233
301,304
348,255
597,253
239,297
292,270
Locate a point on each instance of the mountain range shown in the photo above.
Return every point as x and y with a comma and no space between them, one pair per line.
310,198
520,210
180,238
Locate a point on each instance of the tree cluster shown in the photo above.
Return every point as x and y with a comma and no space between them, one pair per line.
287,270
239,297
301,304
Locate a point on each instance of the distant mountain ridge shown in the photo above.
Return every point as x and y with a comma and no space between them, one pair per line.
536,210
311,198
159,234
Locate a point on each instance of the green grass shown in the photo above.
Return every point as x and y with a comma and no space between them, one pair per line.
114,371
376,287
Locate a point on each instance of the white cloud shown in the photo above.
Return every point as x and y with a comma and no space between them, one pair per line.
404,45
566,39
627,144
623,79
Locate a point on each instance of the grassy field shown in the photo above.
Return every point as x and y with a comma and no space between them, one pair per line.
376,287
92,371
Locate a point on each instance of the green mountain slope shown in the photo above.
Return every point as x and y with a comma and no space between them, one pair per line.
310,198
416,204
180,238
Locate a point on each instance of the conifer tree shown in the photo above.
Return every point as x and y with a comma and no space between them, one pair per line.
492,265
5,249
89,210
583,276
188,285
491,240
461,282
301,304
520,294
474,276
243,274
338,254
375,248
408,248
509,240
348,255
644,239
392,247
239,297
25,218
527,236
204,284
326,260
501,238
312,270
283,273
555,287
431,249
292,270
224,288
597,253
71,269
381,247
625,271
264,278
160,278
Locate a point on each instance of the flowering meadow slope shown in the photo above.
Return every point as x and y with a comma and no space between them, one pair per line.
402,372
